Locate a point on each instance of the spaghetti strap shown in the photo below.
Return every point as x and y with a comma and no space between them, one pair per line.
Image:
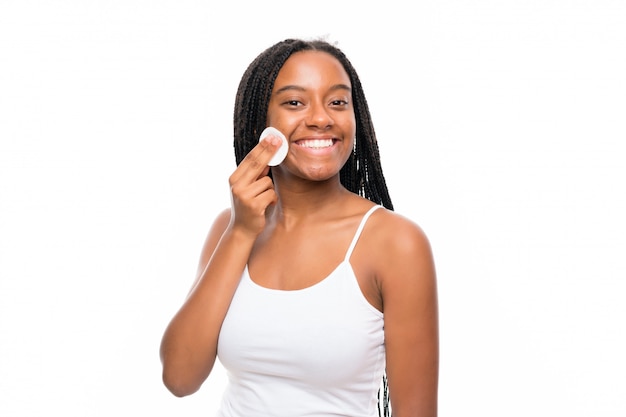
358,232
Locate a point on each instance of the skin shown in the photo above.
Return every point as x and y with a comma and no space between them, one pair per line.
306,211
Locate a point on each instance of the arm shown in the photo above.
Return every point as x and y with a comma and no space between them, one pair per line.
189,344
409,291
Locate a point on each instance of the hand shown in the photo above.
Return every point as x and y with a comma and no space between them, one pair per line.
252,191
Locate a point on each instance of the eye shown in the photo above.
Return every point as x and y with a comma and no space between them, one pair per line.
339,103
293,103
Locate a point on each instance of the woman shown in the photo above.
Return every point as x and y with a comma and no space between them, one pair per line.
310,289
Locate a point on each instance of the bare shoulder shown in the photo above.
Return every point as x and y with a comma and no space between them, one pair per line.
399,252
397,235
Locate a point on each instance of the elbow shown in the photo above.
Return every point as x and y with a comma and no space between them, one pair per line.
181,375
180,379
177,385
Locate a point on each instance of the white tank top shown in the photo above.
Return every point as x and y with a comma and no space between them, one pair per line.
314,352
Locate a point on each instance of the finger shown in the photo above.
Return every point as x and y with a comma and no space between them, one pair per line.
248,192
268,198
262,201
264,173
268,148
255,164
255,207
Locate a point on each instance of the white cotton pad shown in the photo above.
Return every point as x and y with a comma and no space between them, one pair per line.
281,153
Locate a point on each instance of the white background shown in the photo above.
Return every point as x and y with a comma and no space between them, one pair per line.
500,125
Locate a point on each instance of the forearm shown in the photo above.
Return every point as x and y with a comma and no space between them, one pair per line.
189,345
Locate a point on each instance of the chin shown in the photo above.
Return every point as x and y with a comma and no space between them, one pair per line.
320,175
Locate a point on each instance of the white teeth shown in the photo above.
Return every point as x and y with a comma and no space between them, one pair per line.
317,143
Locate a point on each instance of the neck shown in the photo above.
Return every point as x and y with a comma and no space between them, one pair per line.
308,200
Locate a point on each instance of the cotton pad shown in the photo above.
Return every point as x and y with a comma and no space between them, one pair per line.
281,153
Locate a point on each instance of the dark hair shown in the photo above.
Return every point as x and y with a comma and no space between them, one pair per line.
362,173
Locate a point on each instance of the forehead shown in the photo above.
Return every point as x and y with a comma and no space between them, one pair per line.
309,68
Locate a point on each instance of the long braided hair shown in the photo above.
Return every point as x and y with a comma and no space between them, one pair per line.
362,173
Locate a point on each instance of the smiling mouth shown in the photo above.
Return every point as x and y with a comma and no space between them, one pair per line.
316,143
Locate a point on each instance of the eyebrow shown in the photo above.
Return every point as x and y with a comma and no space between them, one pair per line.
291,87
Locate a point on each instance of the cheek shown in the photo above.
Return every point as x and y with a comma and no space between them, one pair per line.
349,127
271,119
349,123
280,121
274,116
349,151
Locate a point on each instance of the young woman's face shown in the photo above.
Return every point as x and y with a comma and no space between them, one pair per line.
311,104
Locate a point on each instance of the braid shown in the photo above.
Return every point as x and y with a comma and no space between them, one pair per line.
363,173
253,96
384,407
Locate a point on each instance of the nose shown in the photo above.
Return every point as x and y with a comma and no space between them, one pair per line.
318,116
